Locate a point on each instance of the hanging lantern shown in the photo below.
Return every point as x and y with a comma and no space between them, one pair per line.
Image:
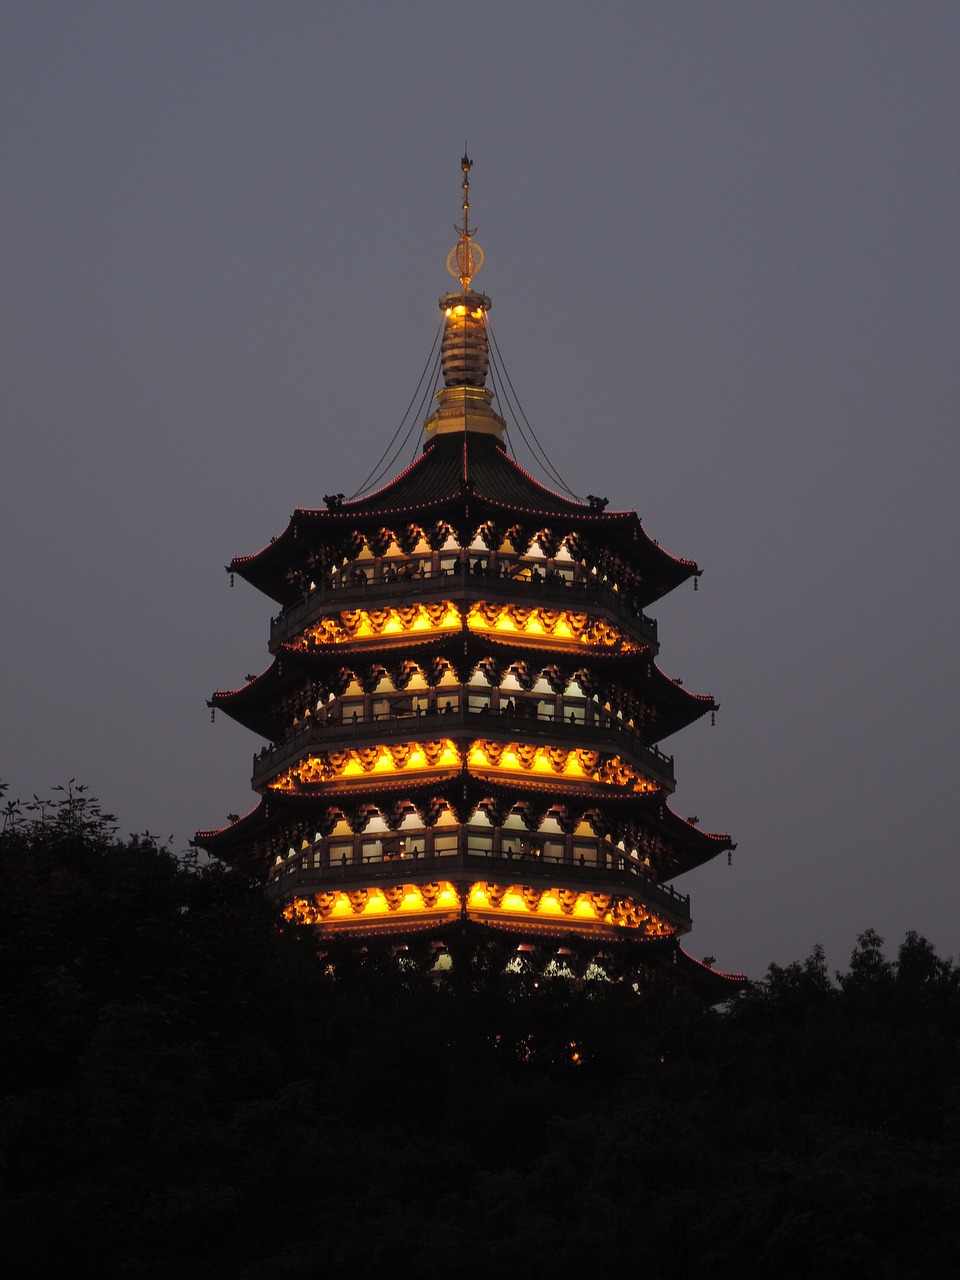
231,582
713,719
213,714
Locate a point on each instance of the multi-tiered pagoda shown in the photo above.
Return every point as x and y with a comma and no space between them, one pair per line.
463,711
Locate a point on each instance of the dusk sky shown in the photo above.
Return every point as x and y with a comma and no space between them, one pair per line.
722,248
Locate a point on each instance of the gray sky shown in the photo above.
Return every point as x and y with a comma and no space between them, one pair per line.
722,249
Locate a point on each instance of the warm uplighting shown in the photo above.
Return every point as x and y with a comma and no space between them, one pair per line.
505,904
367,624
482,756
555,624
486,617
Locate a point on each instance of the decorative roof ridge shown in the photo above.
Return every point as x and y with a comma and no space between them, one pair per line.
349,506
718,837
231,693
553,493
717,973
199,838
698,697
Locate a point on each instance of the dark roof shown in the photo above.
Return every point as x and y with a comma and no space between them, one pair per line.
479,464
460,477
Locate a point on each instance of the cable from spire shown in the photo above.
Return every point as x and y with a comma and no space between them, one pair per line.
520,418
381,465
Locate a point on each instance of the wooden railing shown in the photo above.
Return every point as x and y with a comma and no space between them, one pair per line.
386,728
578,596
298,874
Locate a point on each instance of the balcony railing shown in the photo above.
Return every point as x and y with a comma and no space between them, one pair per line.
299,875
383,729
577,595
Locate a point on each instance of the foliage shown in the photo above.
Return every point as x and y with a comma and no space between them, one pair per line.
190,1090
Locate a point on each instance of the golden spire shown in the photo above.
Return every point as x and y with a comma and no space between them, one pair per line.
464,403
466,258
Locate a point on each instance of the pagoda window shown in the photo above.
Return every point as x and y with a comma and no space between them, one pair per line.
341,852
352,707
479,841
445,819
584,852
479,702
446,845
553,850
371,850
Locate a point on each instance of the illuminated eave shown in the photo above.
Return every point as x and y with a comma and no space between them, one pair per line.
513,907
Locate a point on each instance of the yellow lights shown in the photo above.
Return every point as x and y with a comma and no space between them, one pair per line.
510,905
482,756
485,617
557,624
363,762
368,624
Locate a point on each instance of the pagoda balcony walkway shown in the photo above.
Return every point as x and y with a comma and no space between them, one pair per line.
383,729
575,596
299,875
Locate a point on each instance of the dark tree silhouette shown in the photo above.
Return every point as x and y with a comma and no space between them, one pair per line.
189,1089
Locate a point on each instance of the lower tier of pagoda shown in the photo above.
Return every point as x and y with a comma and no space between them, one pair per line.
548,910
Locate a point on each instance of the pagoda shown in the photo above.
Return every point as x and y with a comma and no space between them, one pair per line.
463,711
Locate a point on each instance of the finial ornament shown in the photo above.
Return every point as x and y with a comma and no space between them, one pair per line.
466,257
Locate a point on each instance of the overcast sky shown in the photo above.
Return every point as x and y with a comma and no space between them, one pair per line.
721,245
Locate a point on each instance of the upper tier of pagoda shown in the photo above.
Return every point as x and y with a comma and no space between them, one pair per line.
463,481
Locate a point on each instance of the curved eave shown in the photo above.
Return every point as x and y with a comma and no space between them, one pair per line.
692,847
268,569
678,707
698,847
236,837
253,705
451,478
710,979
